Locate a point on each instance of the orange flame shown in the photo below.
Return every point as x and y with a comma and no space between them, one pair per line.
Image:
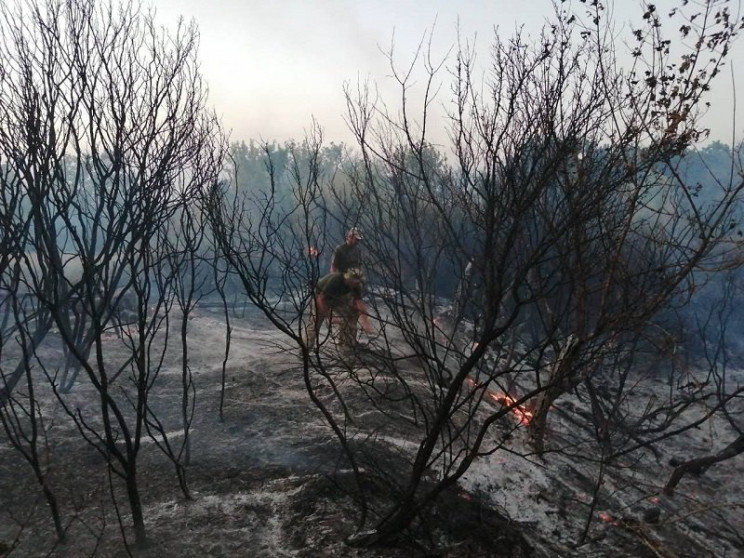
523,415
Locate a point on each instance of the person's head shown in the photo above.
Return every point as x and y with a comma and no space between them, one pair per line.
354,235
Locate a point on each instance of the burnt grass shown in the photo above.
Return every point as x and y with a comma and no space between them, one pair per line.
268,478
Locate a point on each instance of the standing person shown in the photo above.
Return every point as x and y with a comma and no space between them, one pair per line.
346,257
336,293
348,254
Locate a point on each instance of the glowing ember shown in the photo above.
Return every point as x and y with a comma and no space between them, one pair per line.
606,517
524,415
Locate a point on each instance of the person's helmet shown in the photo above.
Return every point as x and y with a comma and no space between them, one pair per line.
355,232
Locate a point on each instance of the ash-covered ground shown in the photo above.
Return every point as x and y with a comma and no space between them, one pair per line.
268,480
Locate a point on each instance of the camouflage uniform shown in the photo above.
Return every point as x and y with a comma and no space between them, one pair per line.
335,295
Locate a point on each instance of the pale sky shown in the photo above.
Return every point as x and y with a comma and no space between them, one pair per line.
272,66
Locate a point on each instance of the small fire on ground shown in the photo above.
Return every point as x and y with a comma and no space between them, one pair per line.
522,414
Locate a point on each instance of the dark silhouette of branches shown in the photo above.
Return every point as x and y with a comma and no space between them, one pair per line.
721,389
105,134
566,208
563,225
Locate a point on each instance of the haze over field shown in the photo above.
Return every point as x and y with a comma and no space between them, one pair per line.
528,343
272,67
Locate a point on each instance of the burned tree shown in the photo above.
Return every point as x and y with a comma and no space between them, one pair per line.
720,387
565,199
104,133
23,325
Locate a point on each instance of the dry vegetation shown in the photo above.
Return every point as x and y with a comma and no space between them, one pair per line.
270,480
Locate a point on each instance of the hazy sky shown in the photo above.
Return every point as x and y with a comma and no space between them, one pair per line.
273,66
